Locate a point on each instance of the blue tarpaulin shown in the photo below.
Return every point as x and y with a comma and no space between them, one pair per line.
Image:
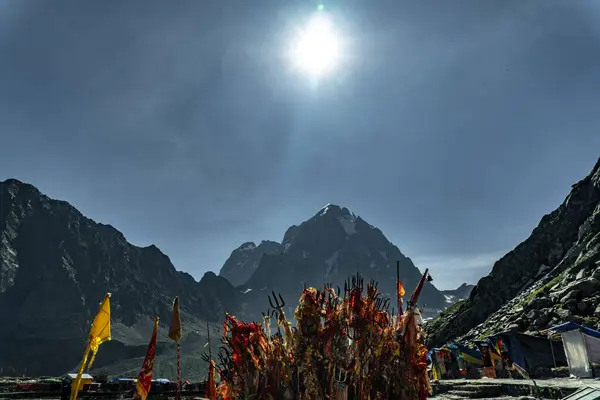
531,352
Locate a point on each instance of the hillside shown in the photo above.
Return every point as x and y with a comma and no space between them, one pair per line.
55,267
327,248
550,278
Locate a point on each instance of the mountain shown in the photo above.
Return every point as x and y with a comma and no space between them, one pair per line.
550,278
328,248
461,293
244,260
56,266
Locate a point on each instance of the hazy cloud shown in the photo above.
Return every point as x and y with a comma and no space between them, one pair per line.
452,126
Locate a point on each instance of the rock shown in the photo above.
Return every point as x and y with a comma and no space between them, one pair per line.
572,295
542,321
596,273
533,314
513,327
589,287
540,302
582,307
574,318
597,311
563,314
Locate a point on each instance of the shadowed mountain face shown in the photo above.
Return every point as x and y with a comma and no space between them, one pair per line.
328,248
55,268
550,278
244,260
460,293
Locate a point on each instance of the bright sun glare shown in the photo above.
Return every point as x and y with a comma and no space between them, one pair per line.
317,48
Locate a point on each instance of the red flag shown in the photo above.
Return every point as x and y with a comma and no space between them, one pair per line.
144,380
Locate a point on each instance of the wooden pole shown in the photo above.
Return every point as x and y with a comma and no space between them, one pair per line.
178,371
75,384
208,332
398,299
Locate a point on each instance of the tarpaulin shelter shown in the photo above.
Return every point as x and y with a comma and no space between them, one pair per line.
582,347
531,352
470,355
492,361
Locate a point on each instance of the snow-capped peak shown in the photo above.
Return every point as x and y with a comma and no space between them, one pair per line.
324,210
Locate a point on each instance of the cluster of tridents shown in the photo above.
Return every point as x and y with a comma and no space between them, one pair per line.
345,346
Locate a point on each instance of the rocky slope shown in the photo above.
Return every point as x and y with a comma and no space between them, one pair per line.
550,278
55,267
329,247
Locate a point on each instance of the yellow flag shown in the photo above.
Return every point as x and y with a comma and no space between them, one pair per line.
175,329
99,334
100,331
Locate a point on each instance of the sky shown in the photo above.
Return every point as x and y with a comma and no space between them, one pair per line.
453,126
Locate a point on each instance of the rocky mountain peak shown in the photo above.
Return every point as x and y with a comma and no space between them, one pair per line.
328,247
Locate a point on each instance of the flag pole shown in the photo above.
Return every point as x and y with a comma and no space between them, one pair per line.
175,335
76,383
208,333
178,371
398,297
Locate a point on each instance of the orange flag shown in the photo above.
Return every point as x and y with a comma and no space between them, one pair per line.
175,329
212,384
400,289
144,380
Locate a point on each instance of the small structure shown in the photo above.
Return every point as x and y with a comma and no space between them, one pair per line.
530,352
86,379
582,347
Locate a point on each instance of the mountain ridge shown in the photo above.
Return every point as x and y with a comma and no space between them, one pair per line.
55,267
564,248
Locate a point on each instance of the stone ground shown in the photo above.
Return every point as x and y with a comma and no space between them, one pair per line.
510,388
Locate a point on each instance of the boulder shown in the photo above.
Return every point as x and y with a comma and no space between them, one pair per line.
573,294
540,302
563,314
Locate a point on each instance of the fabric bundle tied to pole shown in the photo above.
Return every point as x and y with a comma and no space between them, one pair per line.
144,381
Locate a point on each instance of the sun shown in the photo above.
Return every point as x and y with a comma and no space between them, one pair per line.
316,50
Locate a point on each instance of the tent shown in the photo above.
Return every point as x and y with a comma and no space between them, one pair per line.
531,352
492,361
582,346
470,355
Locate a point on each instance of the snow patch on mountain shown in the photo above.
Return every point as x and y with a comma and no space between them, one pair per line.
348,223
332,262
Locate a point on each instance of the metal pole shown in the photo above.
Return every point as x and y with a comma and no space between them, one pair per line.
552,348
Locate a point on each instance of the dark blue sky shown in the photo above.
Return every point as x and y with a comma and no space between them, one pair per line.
452,125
